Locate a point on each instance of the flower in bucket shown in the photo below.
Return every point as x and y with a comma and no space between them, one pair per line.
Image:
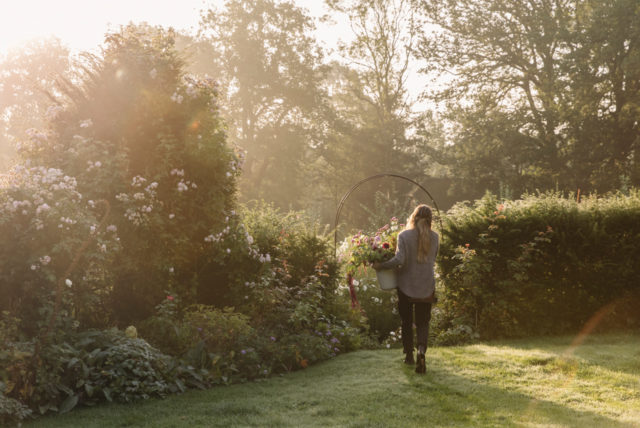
363,249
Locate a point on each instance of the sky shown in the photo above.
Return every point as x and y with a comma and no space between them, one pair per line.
81,24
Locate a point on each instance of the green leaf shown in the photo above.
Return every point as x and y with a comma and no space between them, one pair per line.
68,404
89,389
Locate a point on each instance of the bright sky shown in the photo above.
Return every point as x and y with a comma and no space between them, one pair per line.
81,24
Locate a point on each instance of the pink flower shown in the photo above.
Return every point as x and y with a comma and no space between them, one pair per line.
170,298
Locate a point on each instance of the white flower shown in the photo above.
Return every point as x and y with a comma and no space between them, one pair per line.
171,216
228,174
68,282
192,91
153,73
41,208
228,250
267,258
86,123
34,267
171,269
53,111
137,181
112,228
182,187
356,282
97,164
177,98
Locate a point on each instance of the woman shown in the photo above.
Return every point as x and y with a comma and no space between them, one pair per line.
414,260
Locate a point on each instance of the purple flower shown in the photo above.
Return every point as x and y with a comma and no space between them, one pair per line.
243,352
336,349
273,339
328,333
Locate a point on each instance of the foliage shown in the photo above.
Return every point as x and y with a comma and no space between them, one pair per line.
11,410
372,122
28,75
541,265
269,67
138,133
45,222
162,329
541,96
380,307
286,309
89,367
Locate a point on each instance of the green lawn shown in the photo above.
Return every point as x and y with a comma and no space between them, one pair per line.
530,383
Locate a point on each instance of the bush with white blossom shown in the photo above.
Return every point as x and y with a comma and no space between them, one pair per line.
44,222
148,139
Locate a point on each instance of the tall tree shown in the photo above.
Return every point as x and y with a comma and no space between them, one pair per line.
27,81
373,109
534,102
270,72
605,83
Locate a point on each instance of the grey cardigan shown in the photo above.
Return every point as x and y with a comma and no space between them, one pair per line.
415,279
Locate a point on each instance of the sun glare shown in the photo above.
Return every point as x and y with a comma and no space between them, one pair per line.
81,25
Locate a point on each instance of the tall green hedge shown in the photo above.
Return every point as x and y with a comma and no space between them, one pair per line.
544,264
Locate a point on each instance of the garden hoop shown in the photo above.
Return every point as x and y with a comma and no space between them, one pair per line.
373,177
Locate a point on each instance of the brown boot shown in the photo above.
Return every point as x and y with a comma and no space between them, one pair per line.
408,359
421,365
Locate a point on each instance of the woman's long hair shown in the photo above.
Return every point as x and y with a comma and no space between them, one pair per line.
420,219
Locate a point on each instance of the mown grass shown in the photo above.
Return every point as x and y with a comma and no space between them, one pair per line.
542,382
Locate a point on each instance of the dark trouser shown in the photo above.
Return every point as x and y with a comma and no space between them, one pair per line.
422,315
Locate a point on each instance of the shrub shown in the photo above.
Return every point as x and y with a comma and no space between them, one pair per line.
45,222
89,367
541,265
380,307
11,411
138,133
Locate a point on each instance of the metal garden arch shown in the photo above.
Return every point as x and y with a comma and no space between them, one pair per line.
374,177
